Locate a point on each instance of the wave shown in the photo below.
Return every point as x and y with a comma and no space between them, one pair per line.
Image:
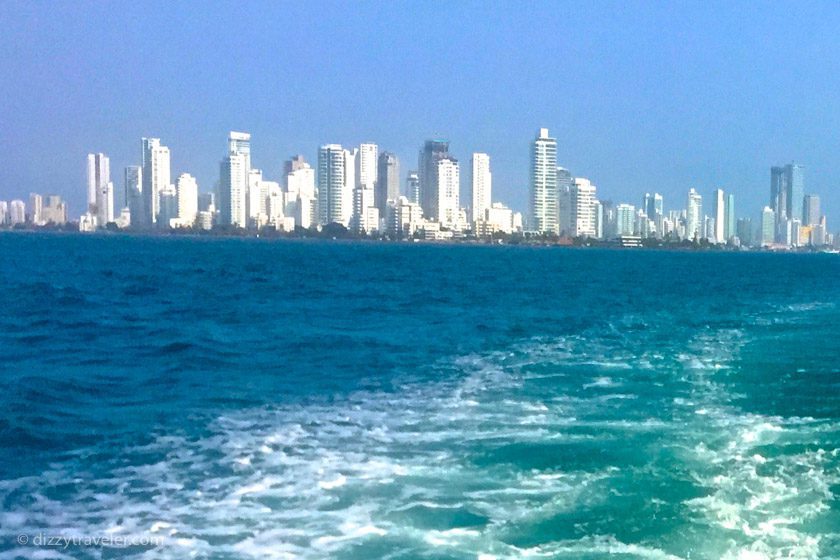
576,447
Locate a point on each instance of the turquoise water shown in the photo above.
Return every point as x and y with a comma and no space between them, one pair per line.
251,399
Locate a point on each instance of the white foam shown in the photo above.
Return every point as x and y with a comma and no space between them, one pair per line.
337,482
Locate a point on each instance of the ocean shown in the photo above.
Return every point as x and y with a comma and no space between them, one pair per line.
243,398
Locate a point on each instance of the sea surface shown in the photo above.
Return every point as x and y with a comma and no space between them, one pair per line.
244,398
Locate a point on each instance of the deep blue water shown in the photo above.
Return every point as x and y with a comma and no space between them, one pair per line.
277,399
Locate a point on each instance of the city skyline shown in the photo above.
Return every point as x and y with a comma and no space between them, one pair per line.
641,118
354,196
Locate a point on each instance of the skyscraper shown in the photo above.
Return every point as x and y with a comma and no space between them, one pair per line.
812,210
720,216
564,201
387,181
335,184
744,231
156,176
240,143
132,193
17,212
730,224
584,208
187,188
301,195
233,184
796,190
625,219
100,188
367,165
367,170
432,152
448,187
694,216
412,184
482,185
544,209
654,208
768,226
36,209
787,192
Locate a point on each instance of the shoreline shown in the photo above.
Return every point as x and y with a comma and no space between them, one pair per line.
511,241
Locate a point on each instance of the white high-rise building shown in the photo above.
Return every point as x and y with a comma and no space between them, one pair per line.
694,216
36,209
625,219
584,208
98,180
17,212
187,199
448,190
257,200
105,204
364,193
365,212
720,216
4,213
156,176
240,143
482,185
768,226
233,186
367,166
301,197
544,210
336,181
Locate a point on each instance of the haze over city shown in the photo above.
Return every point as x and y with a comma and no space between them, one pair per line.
639,97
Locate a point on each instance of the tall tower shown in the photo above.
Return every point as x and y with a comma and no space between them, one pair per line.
812,210
720,216
544,208
768,226
584,207
654,208
412,187
187,198
233,184
482,185
98,175
240,143
334,197
387,181
564,201
694,216
796,191
787,192
155,160
432,152
448,188
730,226
132,194
367,166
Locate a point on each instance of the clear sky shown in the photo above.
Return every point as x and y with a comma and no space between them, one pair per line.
641,95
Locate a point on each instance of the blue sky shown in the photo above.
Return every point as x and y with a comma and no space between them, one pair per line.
641,95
